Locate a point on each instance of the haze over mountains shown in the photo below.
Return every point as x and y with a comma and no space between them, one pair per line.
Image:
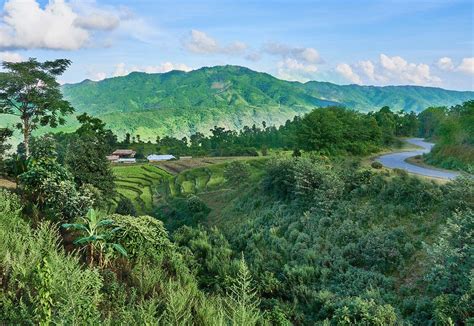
180,103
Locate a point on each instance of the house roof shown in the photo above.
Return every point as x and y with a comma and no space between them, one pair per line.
124,152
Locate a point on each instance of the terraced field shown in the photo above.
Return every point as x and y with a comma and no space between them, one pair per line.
141,183
147,184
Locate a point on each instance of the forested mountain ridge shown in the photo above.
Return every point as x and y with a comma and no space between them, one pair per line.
180,103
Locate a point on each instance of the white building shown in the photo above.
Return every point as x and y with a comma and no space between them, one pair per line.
126,160
158,158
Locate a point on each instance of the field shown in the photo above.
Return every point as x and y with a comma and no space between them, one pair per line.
147,184
140,183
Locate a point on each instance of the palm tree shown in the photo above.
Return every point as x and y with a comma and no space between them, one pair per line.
96,235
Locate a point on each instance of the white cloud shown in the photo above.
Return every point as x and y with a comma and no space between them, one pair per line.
398,70
346,71
306,55
292,69
467,66
122,69
388,71
368,68
445,63
98,76
98,21
200,42
59,25
10,57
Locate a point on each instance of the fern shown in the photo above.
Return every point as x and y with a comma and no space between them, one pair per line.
242,300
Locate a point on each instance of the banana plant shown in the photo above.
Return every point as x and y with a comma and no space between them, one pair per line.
96,235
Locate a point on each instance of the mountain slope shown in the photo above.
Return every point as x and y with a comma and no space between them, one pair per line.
408,98
179,103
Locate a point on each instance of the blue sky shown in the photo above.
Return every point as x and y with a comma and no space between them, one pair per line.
365,42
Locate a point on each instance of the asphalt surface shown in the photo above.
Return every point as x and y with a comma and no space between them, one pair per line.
397,160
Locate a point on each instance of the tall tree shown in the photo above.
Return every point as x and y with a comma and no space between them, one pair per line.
29,90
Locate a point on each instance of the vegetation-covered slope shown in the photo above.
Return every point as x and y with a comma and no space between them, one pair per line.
408,98
179,103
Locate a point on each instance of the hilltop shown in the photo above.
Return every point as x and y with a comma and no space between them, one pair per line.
179,103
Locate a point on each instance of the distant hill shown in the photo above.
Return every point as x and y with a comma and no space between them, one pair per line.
179,103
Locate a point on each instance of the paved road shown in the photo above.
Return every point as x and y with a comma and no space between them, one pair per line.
397,160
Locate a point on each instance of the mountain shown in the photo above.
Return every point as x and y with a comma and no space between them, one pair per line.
179,103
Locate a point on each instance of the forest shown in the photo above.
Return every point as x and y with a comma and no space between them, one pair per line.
296,226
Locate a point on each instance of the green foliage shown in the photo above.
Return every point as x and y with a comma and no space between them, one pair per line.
140,234
336,129
49,187
451,270
454,133
29,90
125,207
177,212
236,172
208,254
5,134
97,233
40,282
330,242
45,301
242,300
376,165
357,311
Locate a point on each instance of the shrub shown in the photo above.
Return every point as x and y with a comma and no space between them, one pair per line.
236,172
376,165
125,207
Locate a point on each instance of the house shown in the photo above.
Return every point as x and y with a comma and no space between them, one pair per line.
127,160
158,158
112,158
124,153
122,156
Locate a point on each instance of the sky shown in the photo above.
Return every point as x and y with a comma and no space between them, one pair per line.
367,42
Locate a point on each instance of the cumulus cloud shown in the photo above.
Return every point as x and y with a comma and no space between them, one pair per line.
98,76
445,63
200,42
467,66
399,70
10,57
59,25
122,69
346,71
389,70
306,55
292,69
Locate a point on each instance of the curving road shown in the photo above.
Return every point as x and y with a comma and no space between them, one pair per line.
397,160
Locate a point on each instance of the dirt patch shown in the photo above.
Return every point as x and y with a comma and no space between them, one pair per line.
4,183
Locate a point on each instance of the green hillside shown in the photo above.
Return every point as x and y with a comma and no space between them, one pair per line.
180,103
408,98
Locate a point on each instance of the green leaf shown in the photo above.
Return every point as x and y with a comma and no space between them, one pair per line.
74,226
120,249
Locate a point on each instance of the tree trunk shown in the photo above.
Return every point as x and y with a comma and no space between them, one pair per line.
26,137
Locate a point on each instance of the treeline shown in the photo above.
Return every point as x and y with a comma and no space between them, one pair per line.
453,131
332,130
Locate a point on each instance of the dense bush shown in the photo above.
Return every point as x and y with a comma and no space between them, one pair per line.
330,241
